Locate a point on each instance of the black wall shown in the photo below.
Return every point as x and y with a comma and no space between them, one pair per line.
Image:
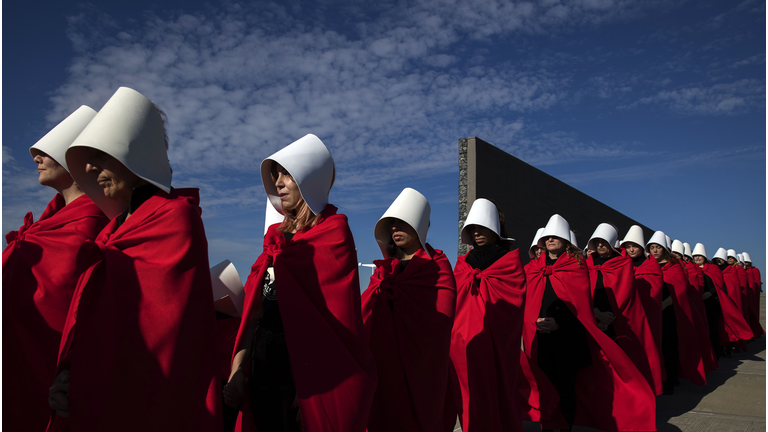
528,196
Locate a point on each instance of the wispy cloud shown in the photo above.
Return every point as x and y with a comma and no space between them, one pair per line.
728,98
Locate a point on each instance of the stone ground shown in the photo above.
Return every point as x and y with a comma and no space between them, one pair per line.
732,400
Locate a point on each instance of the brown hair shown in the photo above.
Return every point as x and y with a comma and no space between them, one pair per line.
575,253
300,218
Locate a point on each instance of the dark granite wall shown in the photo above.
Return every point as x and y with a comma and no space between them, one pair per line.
528,196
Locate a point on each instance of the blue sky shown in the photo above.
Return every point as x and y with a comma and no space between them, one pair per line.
656,108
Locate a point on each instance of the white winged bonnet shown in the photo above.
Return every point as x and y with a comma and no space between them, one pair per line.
535,242
484,213
556,227
604,231
722,254
56,142
634,235
228,293
410,207
310,164
130,129
658,238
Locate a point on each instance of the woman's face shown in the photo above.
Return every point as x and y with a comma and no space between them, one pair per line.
718,261
115,179
602,248
555,245
482,235
699,260
656,250
633,250
732,261
678,255
287,189
49,172
404,236
537,251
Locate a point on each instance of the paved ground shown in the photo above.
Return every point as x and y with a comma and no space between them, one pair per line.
732,400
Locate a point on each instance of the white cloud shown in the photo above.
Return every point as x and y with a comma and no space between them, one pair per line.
728,98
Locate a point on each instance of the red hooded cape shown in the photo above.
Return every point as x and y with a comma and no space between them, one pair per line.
612,394
732,285
744,288
699,311
40,273
649,283
633,332
754,302
332,366
485,343
140,336
691,361
410,341
733,321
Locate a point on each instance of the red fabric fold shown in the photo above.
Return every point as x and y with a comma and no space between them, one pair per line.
735,326
320,307
140,335
41,265
691,361
695,290
485,343
633,331
649,283
612,394
732,285
754,303
410,340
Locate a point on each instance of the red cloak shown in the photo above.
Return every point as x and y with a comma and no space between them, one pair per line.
40,273
753,302
485,343
633,332
689,349
612,394
699,311
649,283
140,336
732,285
734,324
744,288
331,362
410,340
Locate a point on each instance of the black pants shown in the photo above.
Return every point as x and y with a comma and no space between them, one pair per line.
271,386
714,315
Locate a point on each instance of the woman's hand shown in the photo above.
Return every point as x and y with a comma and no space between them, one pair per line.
604,319
295,404
546,325
58,394
234,391
666,303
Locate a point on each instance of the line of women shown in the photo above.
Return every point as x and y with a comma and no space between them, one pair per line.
136,339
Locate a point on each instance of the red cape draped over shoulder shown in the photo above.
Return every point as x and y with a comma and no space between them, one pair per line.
332,365
649,283
41,266
732,285
612,394
754,302
695,290
140,336
690,353
410,340
633,332
485,344
734,324
743,288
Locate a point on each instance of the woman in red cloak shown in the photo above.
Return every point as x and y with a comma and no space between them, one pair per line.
617,307
754,297
733,289
721,310
408,312
141,329
695,278
41,265
680,341
649,284
575,374
485,342
301,342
